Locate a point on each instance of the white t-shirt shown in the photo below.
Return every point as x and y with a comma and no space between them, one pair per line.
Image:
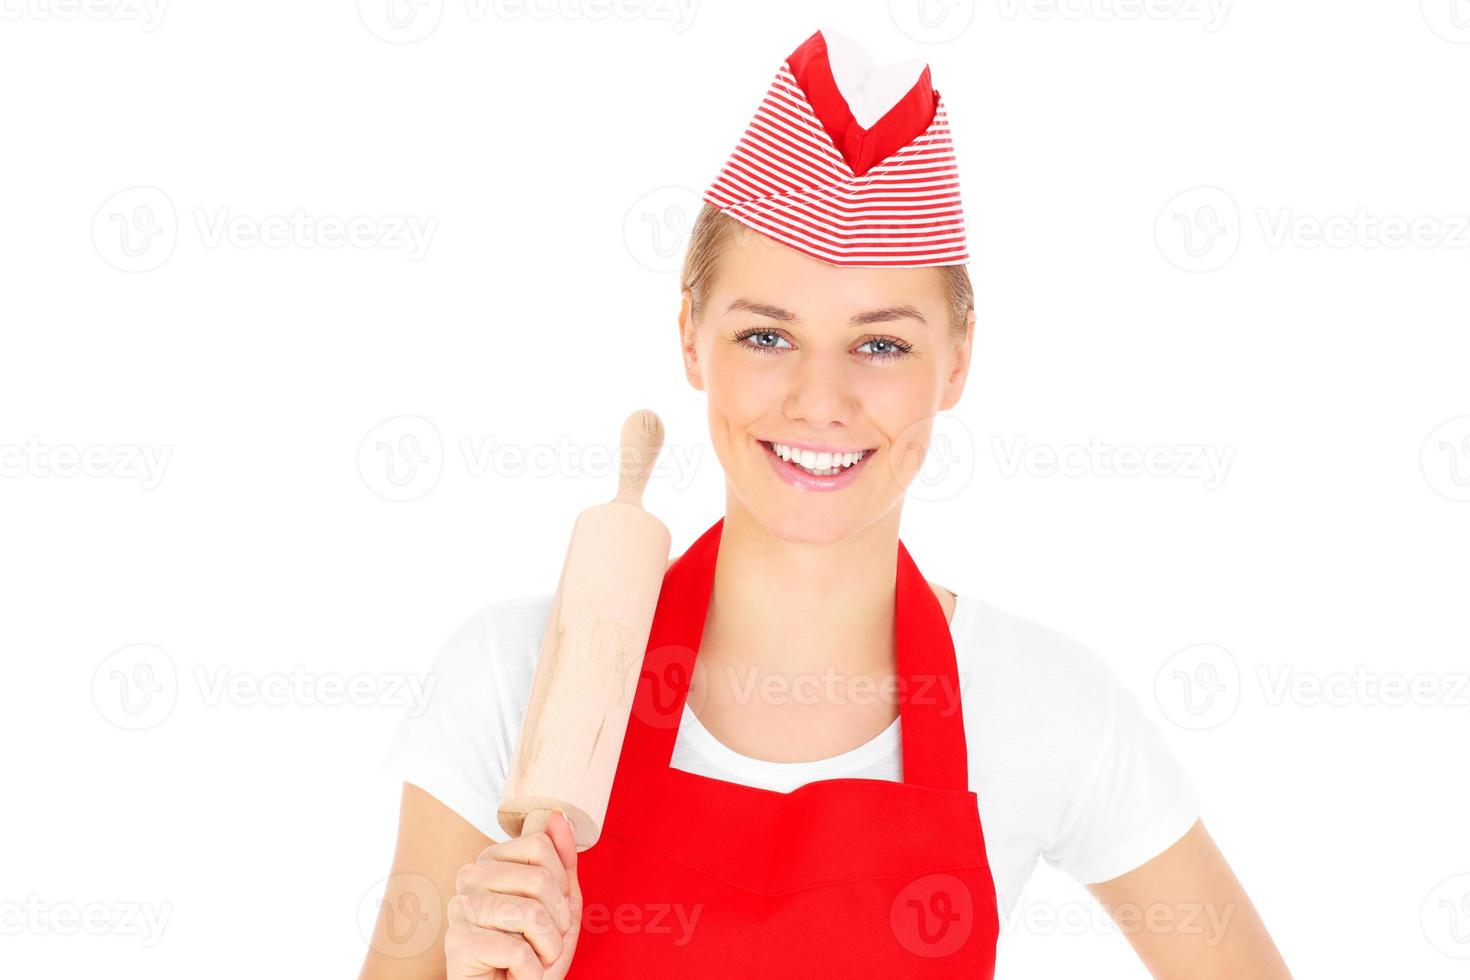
1065,764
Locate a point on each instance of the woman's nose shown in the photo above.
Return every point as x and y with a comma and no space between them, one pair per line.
821,392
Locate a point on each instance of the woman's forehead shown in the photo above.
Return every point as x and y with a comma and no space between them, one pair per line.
763,281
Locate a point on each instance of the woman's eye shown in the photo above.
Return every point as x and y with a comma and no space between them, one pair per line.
770,341
761,340
886,348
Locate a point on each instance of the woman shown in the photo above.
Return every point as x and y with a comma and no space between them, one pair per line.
883,824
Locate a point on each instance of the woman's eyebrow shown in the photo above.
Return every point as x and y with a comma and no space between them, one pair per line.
888,313
860,319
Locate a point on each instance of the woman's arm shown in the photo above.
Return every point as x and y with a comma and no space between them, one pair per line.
1188,917
434,842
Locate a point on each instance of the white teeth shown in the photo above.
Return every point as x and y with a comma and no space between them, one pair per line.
820,464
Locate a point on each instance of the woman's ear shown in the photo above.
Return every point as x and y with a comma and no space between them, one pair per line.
686,341
960,368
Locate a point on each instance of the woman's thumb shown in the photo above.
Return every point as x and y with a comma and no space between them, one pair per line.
560,830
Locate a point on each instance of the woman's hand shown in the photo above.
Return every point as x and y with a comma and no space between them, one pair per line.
518,909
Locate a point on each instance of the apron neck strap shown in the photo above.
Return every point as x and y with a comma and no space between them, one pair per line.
934,752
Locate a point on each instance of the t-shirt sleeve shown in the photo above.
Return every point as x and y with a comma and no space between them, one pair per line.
456,745
1132,801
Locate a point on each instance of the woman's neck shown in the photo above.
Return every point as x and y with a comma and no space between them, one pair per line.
796,608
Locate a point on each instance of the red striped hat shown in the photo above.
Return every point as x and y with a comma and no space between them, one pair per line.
809,174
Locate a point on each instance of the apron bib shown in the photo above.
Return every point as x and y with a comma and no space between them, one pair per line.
695,877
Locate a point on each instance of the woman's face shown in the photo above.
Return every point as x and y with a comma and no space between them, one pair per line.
794,352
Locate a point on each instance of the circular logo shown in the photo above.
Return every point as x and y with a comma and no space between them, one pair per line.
933,459
401,459
1450,19
135,230
656,228
136,687
411,912
932,21
1445,459
1199,229
933,916
1198,687
1445,916
400,21
666,671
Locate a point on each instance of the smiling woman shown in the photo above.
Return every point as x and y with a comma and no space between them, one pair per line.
835,767
773,335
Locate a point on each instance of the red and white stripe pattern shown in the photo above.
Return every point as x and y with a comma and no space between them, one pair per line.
787,180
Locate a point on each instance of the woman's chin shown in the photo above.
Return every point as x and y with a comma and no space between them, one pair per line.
810,521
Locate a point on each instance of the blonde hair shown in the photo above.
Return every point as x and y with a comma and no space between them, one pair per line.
714,230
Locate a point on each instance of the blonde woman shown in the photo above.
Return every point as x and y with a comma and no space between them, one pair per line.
885,826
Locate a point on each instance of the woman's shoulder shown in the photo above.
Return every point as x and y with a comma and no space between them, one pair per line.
501,637
1032,668
1066,761
457,745
946,599
514,614
506,616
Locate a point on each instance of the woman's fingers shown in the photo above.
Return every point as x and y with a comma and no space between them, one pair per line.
516,915
523,880
474,951
517,908
540,849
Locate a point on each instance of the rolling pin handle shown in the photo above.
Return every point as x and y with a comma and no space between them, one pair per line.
641,440
535,822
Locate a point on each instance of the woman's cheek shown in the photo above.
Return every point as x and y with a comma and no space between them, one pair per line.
904,412
746,390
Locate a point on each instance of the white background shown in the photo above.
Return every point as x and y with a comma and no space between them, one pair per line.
333,429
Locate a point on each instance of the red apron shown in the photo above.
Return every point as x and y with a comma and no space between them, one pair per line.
695,877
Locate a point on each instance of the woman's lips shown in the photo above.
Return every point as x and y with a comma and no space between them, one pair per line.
802,480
